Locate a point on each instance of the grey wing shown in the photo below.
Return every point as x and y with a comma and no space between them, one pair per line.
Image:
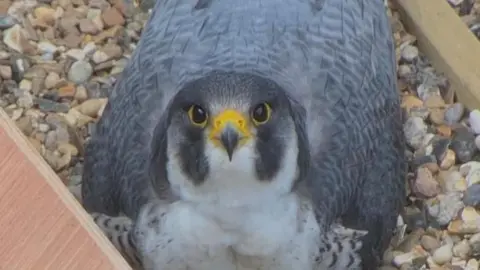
354,121
115,177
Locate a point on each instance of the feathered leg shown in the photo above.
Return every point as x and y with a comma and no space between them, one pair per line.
341,249
118,230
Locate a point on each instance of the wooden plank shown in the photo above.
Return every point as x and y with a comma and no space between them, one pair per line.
447,42
42,225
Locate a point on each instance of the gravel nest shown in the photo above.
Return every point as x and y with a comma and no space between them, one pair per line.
469,11
59,58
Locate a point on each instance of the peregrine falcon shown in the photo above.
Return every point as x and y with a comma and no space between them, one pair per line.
253,126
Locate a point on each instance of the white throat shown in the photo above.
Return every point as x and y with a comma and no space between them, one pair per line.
234,183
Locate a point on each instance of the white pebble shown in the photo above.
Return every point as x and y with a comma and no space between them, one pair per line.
409,53
47,47
462,249
415,131
80,72
473,176
477,142
76,54
474,120
443,254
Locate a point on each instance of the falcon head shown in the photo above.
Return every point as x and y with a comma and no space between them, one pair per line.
230,138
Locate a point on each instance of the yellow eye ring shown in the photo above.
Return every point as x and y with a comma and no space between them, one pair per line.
197,115
261,113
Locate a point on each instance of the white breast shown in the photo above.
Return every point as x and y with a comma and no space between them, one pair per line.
286,237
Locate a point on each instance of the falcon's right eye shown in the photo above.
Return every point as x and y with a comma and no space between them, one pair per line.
198,116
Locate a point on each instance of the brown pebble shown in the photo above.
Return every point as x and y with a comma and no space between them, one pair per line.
67,90
88,27
6,72
425,184
444,130
448,160
112,17
434,102
437,116
4,5
45,15
410,101
429,243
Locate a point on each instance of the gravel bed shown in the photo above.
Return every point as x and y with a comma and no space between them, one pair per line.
469,11
60,58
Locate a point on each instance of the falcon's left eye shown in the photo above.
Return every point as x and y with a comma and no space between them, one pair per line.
198,116
261,113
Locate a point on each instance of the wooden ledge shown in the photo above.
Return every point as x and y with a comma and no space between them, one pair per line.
42,225
447,42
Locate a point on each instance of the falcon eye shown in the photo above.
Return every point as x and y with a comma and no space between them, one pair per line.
261,113
198,116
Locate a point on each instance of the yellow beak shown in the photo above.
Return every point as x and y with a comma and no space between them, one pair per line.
229,131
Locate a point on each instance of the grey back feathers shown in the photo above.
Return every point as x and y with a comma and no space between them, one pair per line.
333,59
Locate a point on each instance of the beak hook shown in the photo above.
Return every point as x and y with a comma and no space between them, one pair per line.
229,139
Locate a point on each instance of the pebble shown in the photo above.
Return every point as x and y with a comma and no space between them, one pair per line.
80,72
414,218
45,15
443,254
409,257
89,49
25,100
5,72
92,107
415,131
19,66
6,21
426,90
87,26
16,39
76,54
454,113
409,53
25,85
81,93
472,195
461,249
25,125
47,47
452,181
448,160
445,207
430,243
425,184
52,80
46,105
112,17
474,121
473,176
472,264
463,144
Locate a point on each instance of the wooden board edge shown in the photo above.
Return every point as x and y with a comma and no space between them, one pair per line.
447,42
63,193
